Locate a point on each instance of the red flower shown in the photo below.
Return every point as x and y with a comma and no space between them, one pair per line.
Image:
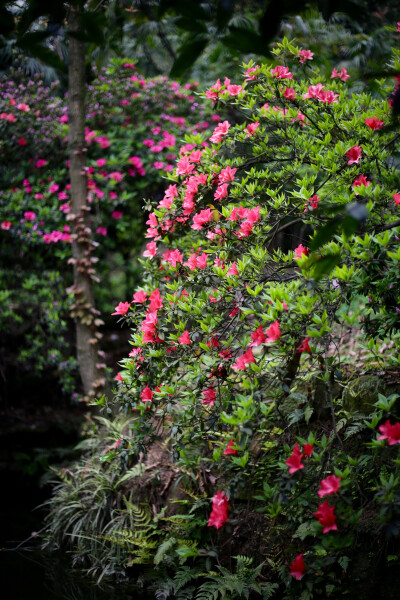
122,308
273,332
361,180
354,155
298,568
374,123
289,93
308,449
294,461
219,511
390,432
304,346
329,485
118,377
396,198
209,396
184,338
258,337
300,250
243,360
230,448
326,517
147,394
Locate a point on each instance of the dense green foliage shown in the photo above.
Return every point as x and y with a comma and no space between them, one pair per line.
133,127
239,365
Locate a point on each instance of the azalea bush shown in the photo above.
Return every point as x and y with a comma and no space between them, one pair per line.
236,347
133,128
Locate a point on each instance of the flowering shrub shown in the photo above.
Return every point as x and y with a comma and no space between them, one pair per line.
236,341
133,128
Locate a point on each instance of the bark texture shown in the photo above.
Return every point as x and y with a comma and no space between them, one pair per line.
91,360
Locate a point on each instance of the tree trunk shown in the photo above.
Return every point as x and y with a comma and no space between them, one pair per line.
91,365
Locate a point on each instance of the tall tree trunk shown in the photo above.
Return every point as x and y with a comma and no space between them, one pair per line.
91,366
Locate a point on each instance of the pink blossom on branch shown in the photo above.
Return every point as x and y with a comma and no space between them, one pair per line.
273,333
121,309
243,360
305,55
146,394
329,485
209,396
219,511
390,432
354,155
326,517
281,72
294,461
298,568
184,338
230,448
374,123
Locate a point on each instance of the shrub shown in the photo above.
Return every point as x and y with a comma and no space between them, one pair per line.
236,341
133,126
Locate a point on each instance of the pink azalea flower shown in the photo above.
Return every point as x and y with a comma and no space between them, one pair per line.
54,188
304,346
100,162
308,449
184,338
202,218
151,250
219,132
146,394
24,107
209,397
374,123
289,93
281,72
294,461
298,568
116,214
329,485
396,198
116,176
6,225
118,377
41,163
140,297
273,333
227,175
305,55
326,517
219,512
300,250
354,155
258,337
102,231
252,128
156,301
230,448
29,215
235,90
360,180
243,360
233,270
390,432
221,192
122,308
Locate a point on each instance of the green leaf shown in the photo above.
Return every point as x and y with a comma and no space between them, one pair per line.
187,55
245,40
